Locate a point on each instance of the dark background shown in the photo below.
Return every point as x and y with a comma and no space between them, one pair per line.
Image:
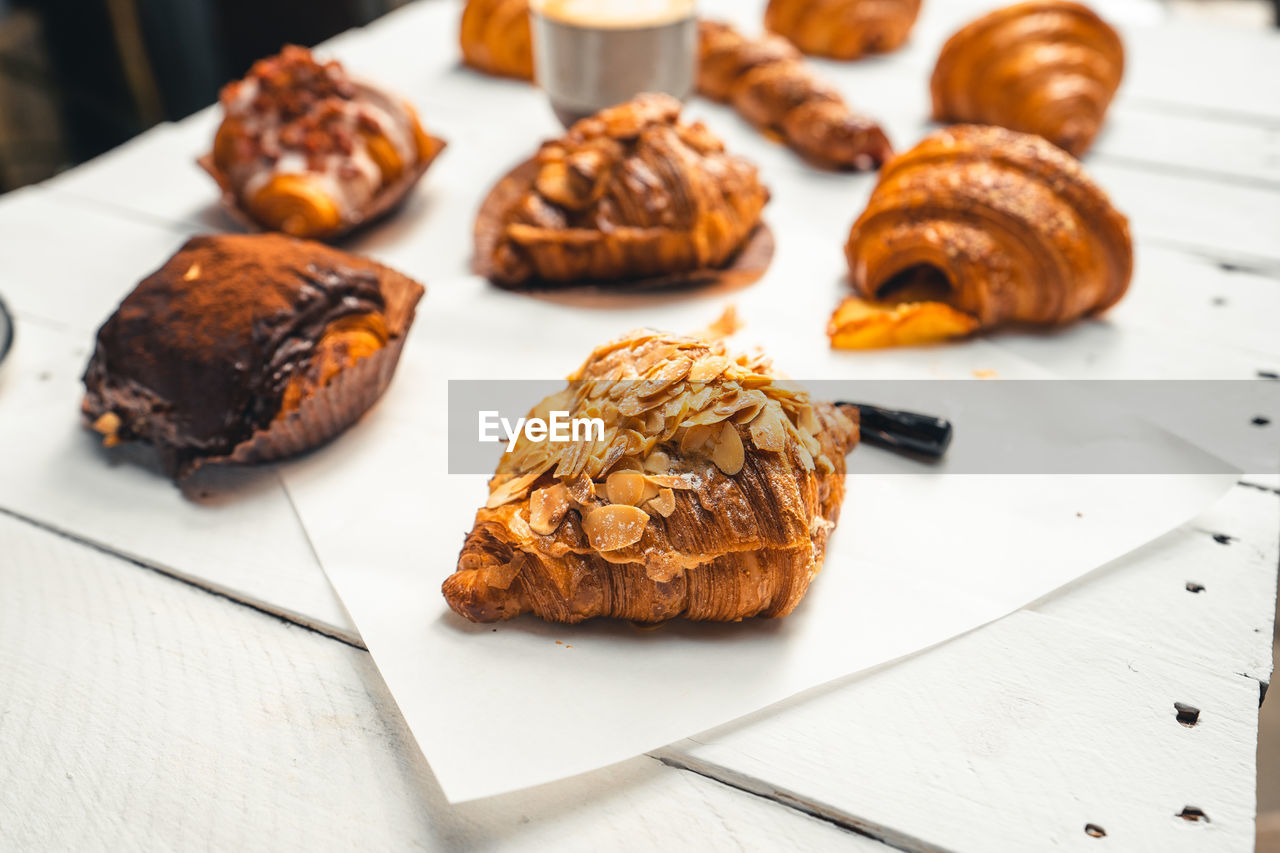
78,77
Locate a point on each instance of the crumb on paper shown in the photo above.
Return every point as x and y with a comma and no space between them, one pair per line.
559,642
985,373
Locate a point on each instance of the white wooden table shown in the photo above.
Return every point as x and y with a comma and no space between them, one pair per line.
143,710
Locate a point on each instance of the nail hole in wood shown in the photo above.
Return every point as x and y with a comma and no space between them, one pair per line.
1193,815
1260,420
1187,715
1222,538
1192,586
1094,831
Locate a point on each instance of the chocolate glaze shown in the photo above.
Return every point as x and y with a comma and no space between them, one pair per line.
197,357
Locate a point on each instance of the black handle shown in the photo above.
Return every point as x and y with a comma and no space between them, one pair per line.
904,432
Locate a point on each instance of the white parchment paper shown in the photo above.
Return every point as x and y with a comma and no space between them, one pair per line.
916,560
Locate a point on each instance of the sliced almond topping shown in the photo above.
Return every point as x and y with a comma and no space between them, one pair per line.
767,432
609,528
664,503
192,273
728,453
657,462
518,526
625,487
708,368
695,438
547,508
582,490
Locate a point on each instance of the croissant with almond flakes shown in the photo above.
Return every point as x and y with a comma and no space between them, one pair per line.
496,39
978,227
842,29
709,496
1048,67
629,193
769,84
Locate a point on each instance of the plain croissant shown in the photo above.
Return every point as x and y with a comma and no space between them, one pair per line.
770,84
709,497
629,193
496,39
842,29
977,227
1048,66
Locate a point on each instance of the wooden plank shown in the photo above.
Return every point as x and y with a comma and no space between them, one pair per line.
1021,734
141,713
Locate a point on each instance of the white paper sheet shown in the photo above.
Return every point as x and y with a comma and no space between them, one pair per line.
916,559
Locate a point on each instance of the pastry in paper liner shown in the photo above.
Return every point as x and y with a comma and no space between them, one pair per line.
385,202
979,227
315,367
306,149
709,496
628,195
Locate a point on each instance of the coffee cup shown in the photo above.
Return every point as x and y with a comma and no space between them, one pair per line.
592,54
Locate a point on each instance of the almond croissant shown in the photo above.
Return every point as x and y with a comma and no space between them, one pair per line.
768,82
1047,66
710,494
842,29
495,37
628,193
976,227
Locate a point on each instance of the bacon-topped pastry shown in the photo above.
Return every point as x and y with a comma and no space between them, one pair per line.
307,150
709,496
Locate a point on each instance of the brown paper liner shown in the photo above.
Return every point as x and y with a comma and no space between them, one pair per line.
337,405
747,265
383,203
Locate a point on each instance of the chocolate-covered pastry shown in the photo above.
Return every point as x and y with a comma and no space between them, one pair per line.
306,149
246,348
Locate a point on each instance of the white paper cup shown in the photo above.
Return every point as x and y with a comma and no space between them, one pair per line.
592,54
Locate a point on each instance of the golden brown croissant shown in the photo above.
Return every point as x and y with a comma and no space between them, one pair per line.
768,82
709,496
628,193
495,37
1047,66
306,150
842,29
980,226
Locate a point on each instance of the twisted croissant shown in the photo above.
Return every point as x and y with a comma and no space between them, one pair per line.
1047,66
306,150
976,227
842,29
495,37
710,494
628,193
769,83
